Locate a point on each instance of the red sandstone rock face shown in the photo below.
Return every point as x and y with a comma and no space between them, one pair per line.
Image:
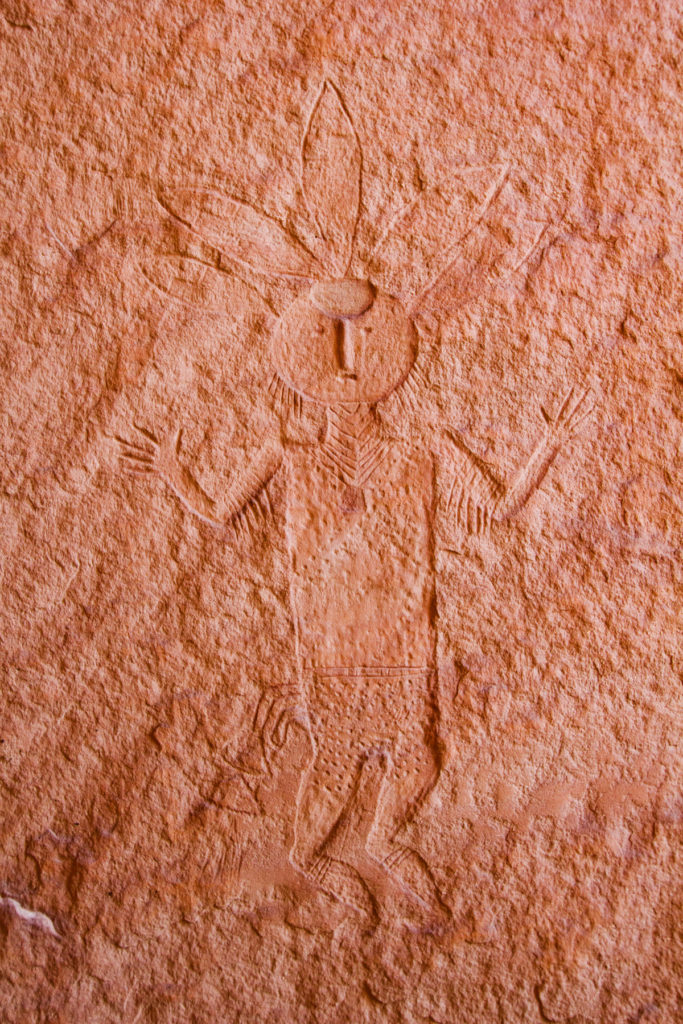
342,513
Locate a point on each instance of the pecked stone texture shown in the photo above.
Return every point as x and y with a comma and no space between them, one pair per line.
341,501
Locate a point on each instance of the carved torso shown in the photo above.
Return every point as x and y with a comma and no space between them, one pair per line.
359,529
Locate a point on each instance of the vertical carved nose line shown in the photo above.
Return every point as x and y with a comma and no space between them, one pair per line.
346,354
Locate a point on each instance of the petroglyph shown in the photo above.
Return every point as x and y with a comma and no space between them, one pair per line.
360,514
329,272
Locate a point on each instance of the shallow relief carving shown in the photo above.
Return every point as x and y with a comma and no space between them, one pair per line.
361,508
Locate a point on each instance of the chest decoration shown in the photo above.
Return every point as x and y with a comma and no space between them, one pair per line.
352,450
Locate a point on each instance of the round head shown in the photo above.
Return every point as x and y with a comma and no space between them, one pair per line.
344,342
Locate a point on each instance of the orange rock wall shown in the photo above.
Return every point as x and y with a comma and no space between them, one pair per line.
340,485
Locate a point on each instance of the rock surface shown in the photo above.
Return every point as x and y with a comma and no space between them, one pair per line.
340,654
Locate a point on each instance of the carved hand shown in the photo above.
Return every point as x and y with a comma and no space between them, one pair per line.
573,411
149,454
158,456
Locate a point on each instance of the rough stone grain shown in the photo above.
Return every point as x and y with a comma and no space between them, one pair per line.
340,483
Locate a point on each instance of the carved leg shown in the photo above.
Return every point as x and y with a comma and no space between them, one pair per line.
412,773
326,792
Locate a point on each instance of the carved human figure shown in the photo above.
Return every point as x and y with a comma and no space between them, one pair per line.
360,515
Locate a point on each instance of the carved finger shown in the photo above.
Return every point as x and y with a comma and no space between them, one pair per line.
581,408
132,444
264,713
492,490
269,728
588,409
273,719
261,711
576,404
147,433
582,403
267,501
459,512
250,514
577,421
281,730
238,527
471,476
459,472
136,468
449,499
129,462
263,730
270,722
137,456
563,408
267,707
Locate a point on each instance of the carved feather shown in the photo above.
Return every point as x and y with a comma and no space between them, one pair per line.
242,233
331,175
196,284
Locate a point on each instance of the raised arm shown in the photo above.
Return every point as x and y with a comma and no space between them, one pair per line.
478,497
159,456
573,411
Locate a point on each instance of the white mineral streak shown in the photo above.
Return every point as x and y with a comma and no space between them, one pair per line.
32,917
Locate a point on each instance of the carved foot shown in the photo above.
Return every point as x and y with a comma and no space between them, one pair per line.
414,877
344,883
